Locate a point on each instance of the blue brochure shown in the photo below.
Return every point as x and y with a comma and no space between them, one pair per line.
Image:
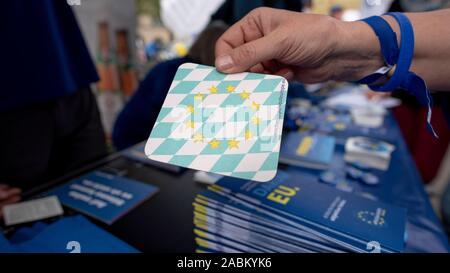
310,150
73,234
224,209
103,196
353,220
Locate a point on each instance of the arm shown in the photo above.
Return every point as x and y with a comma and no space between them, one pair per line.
317,48
432,46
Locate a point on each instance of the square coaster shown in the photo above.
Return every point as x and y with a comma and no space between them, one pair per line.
229,124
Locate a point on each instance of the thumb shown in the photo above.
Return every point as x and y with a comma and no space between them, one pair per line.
247,55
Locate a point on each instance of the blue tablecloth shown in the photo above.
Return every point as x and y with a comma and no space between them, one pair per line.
401,185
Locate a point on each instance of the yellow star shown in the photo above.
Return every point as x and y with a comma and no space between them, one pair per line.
255,106
248,134
339,126
190,108
331,118
230,88
256,120
198,96
214,144
213,89
190,124
244,95
233,144
197,137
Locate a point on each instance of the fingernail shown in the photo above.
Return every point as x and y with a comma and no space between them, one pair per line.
224,62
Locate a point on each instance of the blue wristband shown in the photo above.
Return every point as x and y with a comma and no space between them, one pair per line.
409,80
402,57
388,45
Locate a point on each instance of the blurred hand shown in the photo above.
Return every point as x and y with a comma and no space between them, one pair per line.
310,48
8,195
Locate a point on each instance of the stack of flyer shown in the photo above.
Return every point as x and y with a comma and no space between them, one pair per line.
290,215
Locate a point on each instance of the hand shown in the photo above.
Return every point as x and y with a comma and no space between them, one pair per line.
310,48
8,195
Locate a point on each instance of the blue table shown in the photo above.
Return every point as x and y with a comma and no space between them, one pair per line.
164,223
401,185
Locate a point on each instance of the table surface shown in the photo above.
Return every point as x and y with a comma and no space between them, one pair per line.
164,223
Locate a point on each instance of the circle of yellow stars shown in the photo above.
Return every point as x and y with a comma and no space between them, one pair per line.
214,143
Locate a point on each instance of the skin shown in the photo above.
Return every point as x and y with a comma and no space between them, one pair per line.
316,48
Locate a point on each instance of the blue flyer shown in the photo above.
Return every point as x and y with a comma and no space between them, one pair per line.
103,196
354,220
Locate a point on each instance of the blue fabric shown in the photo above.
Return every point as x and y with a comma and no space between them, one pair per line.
402,77
136,120
388,44
387,37
53,238
401,185
43,53
409,80
405,55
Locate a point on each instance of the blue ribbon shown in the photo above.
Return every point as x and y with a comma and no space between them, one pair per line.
402,77
388,44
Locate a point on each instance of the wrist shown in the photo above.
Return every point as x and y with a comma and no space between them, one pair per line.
358,51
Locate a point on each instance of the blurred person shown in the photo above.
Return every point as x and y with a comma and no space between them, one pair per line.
48,114
232,11
136,120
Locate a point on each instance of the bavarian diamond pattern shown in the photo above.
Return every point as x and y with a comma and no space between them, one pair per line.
226,124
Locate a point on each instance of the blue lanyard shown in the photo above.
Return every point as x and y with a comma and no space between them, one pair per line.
402,57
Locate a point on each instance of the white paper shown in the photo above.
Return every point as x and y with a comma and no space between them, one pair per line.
32,210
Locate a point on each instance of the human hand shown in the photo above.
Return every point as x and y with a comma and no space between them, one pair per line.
8,195
307,47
